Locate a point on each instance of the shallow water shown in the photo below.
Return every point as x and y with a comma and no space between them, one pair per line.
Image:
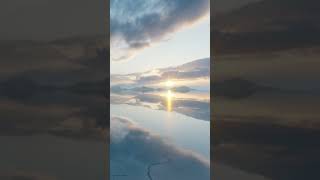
160,133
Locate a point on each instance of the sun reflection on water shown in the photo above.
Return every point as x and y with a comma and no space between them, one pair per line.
169,96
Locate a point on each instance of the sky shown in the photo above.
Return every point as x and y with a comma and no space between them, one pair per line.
158,34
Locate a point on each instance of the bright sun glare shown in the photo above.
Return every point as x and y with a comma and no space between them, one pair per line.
169,83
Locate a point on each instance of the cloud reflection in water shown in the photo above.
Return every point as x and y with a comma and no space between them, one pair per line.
134,151
189,104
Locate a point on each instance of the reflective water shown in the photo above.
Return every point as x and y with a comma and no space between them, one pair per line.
164,135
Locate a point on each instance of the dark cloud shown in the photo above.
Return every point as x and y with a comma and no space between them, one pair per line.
139,24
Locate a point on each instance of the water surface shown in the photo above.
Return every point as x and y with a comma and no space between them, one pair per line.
164,135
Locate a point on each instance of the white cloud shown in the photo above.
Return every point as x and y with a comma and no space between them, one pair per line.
136,25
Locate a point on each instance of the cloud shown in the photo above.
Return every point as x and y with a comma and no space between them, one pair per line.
136,25
193,70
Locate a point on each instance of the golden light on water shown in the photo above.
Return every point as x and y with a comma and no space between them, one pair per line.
169,96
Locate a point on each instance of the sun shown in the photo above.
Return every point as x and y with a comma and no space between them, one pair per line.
169,83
